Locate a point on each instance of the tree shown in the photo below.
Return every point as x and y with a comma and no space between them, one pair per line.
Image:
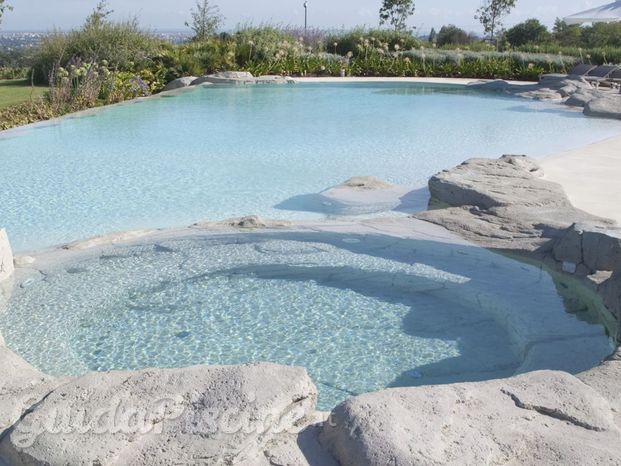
453,35
530,31
491,13
433,36
4,7
567,35
206,20
396,13
99,16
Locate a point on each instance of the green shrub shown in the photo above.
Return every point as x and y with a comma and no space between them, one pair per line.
123,45
359,41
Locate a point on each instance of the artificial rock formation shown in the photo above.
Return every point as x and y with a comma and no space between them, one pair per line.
21,386
180,83
239,77
6,257
538,418
503,204
573,91
604,107
197,415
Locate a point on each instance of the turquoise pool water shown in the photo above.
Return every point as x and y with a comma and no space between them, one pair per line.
360,312
215,153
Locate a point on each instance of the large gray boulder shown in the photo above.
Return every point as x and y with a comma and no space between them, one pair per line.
180,83
226,77
6,257
503,204
550,87
582,97
487,183
204,414
539,418
604,107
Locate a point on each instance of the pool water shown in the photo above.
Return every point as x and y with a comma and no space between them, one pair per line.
219,152
360,312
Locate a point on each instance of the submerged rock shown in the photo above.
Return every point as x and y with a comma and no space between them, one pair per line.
251,222
538,418
366,183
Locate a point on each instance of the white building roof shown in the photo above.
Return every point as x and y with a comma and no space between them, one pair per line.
603,14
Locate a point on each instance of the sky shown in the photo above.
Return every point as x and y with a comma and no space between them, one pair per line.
42,15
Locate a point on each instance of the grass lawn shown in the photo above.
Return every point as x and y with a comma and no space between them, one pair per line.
17,91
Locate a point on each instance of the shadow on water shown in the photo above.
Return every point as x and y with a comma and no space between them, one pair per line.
414,201
567,112
483,344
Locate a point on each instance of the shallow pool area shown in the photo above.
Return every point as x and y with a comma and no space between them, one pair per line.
361,312
220,152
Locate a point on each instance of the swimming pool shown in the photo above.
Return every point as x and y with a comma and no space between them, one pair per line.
215,153
361,312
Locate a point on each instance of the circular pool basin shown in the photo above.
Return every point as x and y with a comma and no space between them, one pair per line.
360,312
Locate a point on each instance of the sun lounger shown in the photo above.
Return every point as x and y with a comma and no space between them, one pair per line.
582,69
601,74
614,80
577,71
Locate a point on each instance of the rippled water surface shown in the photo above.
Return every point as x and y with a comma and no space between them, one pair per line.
361,313
215,153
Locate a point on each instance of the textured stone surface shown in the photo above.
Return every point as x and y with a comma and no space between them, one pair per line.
604,107
204,414
538,418
490,183
582,97
240,77
606,380
550,87
503,204
611,294
180,83
21,386
6,256
573,91
302,449
599,249
225,77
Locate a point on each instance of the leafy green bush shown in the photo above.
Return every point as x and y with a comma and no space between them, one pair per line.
123,45
24,114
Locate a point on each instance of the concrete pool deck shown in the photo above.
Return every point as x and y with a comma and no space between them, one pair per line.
591,176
